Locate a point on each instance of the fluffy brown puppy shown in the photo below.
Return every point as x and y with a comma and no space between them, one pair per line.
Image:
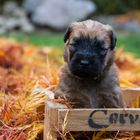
89,78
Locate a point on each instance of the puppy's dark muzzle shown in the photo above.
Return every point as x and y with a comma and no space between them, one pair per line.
84,60
86,66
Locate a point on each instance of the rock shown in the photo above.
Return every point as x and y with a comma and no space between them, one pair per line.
58,14
31,5
18,23
2,30
2,20
12,23
2,27
9,7
26,26
14,17
12,9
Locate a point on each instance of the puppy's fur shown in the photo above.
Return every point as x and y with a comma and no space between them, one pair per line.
89,78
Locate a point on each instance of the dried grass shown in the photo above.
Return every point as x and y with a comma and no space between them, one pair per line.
26,73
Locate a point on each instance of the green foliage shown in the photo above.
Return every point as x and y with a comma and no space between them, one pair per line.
116,6
3,1
40,39
130,42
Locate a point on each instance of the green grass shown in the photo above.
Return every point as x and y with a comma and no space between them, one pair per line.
39,39
130,41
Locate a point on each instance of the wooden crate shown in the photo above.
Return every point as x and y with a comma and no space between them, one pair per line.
57,116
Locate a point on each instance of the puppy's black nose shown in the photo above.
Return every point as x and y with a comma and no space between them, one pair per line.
84,63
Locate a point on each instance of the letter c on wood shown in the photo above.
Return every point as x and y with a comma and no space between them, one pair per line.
93,124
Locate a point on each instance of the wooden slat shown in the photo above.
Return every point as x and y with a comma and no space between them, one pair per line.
51,124
101,119
51,120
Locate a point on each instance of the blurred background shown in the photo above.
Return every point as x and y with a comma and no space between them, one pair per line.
43,22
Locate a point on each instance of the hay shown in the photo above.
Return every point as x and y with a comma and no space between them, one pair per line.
27,74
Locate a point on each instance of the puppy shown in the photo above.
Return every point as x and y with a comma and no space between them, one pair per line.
89,78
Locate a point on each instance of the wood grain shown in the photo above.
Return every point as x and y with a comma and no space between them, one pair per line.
78,119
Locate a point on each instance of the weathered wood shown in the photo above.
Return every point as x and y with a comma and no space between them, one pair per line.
100,119
127,119
51,120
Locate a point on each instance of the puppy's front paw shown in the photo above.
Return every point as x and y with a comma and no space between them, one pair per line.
59,95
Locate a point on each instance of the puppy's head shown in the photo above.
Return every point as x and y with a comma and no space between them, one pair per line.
89,48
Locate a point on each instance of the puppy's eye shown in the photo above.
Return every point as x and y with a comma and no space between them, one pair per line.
72,48
103,51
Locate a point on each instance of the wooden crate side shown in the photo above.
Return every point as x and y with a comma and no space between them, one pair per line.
100,119
51,120
91,119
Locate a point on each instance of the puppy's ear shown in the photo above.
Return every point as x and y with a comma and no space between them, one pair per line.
67,34
113,40
112,36
69,30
